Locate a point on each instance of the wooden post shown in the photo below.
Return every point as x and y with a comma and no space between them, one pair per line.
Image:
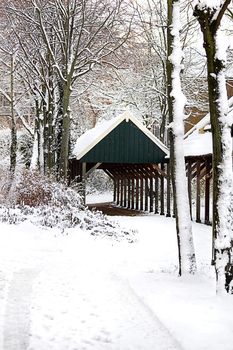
189,171
132,194
122,192
141,193
207,193
146,194
129,193
125,192
168,191
137,193
151,194
162,192
118,191
114,191
156,194
198,194
84,169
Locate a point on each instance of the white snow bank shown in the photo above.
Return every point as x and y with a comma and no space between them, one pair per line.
76,291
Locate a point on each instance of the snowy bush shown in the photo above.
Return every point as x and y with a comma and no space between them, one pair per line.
32,189
51,205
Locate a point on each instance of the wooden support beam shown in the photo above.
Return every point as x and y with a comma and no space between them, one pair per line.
146,194
168,191
96,166
151,193
198,194
160,170
137,193
141,193
125,192
201,167
156,194
114,190
121,192
132,194
162,191
117,191
189,176
129,193
207,192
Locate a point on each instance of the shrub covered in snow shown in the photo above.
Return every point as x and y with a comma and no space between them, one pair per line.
32,189
50,204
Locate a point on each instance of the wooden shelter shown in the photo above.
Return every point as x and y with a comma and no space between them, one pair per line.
198,157
132,156
138,164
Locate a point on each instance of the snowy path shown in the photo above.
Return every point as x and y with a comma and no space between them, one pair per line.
79,292
17,312
63,300
99,312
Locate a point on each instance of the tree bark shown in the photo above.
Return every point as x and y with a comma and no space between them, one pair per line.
221,138
186,255
13,150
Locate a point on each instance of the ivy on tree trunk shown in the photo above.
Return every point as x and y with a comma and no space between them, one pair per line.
209,19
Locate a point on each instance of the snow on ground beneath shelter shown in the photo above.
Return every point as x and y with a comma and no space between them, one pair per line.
76,291
99,198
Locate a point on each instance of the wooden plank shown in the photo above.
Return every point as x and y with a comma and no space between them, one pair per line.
156,194
198,194
121,192
118,191
146,193
160,170
151,193
114,191
207,192
132,194
162,191
125,192
137,193
189,176
129,193
141,193
168,191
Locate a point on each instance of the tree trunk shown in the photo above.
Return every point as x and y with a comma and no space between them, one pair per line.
65,134
187,261
222,148
13,151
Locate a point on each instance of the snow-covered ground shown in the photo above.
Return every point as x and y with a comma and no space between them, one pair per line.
75,291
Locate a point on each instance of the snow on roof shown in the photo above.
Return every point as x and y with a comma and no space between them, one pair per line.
202,124
196,143
93,136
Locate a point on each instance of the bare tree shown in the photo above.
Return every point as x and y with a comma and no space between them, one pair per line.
69,39
176,103
152,21
210,18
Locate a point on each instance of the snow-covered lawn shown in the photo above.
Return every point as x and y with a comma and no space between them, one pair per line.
76,291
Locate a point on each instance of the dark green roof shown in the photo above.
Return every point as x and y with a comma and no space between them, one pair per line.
126,141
